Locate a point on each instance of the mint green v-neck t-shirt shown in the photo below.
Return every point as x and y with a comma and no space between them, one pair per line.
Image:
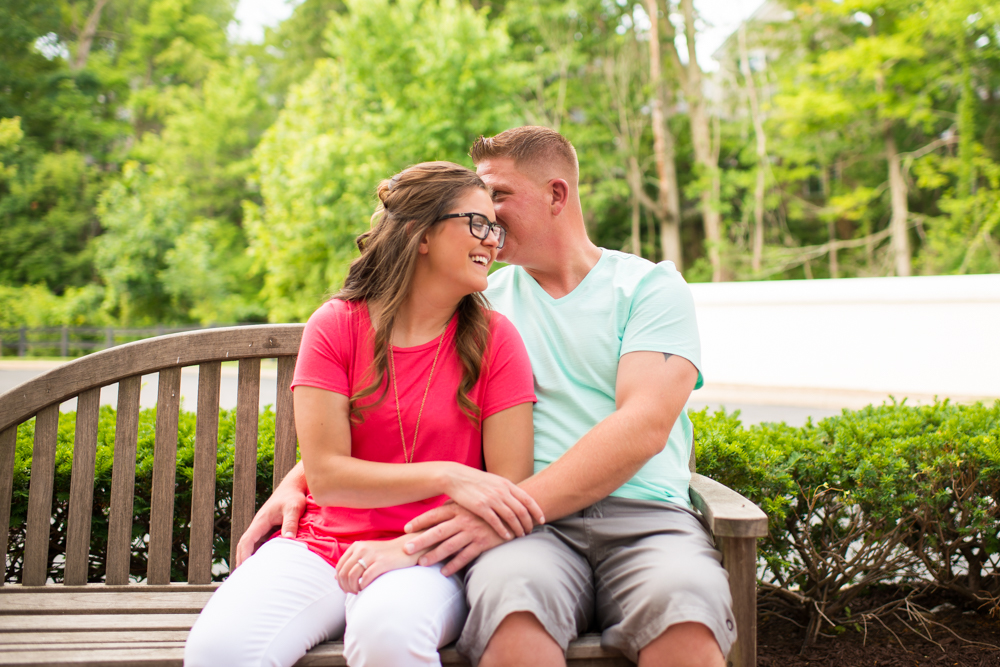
625,304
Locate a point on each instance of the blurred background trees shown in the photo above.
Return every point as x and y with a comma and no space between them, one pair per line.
155,169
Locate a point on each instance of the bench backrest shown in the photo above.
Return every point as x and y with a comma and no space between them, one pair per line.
125,365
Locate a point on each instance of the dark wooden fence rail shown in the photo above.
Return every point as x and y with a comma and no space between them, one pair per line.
73,341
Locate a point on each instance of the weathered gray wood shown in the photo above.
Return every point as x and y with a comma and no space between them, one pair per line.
43,462
123,482
107,600
95,622
161,521
8,449
206,443
83,638
148,657
739,557
583,652
135,589
143,357
81,488
245,454
284,421
728,513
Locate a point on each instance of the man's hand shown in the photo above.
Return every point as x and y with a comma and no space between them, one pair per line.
456,531
284,508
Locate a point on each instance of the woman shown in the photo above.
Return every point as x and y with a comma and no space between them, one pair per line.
405,386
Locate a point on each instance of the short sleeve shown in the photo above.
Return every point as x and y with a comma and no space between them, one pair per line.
508,380
324,355
662,317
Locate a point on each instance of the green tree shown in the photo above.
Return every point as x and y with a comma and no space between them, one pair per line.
404,82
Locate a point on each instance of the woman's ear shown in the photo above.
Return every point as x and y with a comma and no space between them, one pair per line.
425,243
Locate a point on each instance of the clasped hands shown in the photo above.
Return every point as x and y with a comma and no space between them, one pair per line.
485,510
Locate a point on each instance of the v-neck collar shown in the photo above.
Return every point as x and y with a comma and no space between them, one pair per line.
581,288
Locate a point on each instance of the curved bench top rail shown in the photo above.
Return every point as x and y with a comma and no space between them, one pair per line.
146,356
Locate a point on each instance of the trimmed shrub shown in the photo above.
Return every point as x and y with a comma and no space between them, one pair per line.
893,494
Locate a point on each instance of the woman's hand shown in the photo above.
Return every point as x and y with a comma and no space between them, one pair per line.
498,501
379,556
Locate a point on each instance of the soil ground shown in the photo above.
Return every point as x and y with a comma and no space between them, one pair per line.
779,643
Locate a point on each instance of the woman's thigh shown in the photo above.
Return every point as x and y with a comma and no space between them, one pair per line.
403,617
276,606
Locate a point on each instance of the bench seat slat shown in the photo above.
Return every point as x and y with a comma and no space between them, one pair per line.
148,657
161,526
86,623
111,602
284,418
245,454
123,482
8,449
81,490
206,444
43,462
79,644
23,638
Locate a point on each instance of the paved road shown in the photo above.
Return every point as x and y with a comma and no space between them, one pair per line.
756,405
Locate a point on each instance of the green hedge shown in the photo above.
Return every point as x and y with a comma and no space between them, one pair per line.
143,491
892,494
885,495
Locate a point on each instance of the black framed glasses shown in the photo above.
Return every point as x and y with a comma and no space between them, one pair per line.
480,226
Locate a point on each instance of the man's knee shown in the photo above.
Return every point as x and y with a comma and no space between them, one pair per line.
521,639
681,645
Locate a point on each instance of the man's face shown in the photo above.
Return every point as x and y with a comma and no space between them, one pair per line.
520,204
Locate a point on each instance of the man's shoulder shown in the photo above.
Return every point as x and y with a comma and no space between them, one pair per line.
631,274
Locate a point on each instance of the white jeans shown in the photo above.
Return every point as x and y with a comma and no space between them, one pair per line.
285,599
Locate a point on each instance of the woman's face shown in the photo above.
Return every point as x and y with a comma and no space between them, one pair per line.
453,254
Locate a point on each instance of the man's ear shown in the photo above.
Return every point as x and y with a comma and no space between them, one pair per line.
559,193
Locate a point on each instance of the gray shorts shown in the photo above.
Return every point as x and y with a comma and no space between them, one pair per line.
631,568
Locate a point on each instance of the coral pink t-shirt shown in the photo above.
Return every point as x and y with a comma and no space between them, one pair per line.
336,355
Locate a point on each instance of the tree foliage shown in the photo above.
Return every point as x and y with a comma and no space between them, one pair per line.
174,174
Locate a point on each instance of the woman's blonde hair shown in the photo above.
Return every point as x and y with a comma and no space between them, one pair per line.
410,203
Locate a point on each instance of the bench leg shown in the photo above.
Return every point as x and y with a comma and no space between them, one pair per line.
739,557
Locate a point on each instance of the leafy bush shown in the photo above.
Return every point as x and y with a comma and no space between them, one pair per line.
889,494
143,491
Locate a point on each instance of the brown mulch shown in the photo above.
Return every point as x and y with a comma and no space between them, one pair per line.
780,642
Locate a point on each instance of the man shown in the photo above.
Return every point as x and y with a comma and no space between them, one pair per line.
614,348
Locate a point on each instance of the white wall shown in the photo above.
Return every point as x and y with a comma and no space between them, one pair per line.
926,335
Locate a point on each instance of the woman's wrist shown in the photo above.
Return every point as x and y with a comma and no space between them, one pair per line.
446,475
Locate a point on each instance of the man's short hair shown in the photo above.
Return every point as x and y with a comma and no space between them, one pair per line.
529,145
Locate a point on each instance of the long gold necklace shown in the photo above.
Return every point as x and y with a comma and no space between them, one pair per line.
408,457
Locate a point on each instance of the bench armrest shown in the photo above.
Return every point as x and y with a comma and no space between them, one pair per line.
727,513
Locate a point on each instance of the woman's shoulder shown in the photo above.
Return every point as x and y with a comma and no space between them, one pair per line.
339,311
337,318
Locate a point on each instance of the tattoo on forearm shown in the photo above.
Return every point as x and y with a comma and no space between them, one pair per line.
666,355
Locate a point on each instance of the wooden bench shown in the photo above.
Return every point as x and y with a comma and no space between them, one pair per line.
119,621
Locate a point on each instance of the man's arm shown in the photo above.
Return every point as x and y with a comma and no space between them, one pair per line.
650,391
284,508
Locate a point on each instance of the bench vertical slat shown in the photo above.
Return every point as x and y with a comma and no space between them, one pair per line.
161,522
245,456
8,452
739,556
206,443
123,482
43,463
81,488
284,421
